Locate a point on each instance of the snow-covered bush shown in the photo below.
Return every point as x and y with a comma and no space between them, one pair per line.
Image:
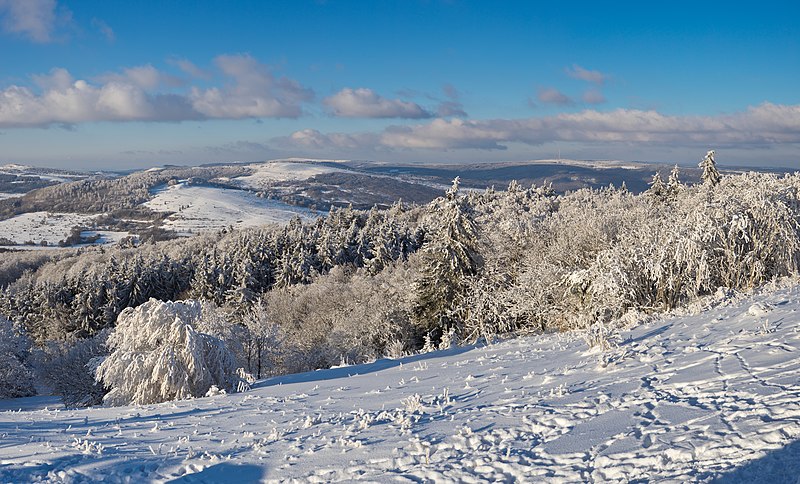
69,369
16,377
345,315
157,355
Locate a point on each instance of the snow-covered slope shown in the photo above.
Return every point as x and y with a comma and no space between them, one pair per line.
280,170
199,208
686,398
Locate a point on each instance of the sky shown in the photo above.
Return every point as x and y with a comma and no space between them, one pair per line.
104,84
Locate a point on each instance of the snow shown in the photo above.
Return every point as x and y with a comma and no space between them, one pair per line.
4,195
682,398
199,208
106,236
23,170
278,171
38,226
595,164
51,227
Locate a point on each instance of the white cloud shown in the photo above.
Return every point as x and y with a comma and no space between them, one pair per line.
366,103
453,106
450,108
104,29
254,92
593,96
578,72
189,68
146,77
34,19
311,138
761,125
451,92
553,96
131,95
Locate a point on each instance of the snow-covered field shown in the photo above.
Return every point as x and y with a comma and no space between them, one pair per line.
52,228
685,398
280,170
199,208
38,226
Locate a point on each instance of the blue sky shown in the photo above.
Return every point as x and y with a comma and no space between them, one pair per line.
106,84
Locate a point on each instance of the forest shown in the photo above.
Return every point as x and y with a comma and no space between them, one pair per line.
218,310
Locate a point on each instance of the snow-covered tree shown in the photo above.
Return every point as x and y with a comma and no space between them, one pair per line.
68,369
448,259
16,377
674,185
711,175
658,189
157,355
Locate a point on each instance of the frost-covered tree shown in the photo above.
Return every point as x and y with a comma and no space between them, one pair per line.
674,185
16,377
448,259
711,175
157,355
68,369
657,190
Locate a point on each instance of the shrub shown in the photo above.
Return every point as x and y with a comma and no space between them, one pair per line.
157,355
16,378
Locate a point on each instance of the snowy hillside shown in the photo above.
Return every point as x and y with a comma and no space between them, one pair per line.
200,208
685,398
277,170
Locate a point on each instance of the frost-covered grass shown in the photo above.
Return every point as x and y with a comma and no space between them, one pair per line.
199,208
682,398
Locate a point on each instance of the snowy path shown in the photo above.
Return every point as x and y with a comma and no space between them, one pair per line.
682,399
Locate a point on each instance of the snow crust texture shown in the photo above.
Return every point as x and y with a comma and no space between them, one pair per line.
680,399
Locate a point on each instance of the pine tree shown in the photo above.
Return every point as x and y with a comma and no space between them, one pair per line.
674,185
448,259
16,377
657,188
711,175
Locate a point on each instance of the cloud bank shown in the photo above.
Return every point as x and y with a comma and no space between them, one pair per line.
366,103
33,19
249,90
760,125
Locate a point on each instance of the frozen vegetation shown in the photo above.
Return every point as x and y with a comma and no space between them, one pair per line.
638,353
712,393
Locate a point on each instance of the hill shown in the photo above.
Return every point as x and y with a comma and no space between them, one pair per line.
692,397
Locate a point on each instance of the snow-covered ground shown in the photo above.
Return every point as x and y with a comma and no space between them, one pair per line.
106,236
52,228
276,171
38,226
685,398
199,208
43,173
4,195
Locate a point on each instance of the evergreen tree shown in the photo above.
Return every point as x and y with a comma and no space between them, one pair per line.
657,188
711,175
16,378
448,259
674,185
